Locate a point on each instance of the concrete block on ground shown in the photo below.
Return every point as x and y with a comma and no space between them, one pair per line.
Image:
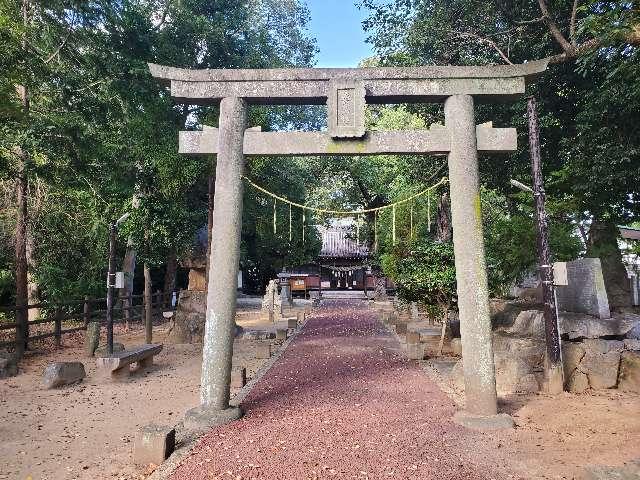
238,377
92,338
59,374
263,350
153,444
281,334
415,351
292,322
456,346
401,328
413,337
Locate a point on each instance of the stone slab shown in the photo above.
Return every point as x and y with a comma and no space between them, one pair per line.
478,422
238,377
59,374
203,418
153,444
281,334
125,358
586,291
263,350
412,337
292,322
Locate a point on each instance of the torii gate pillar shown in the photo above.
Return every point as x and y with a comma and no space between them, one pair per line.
468,244
224,262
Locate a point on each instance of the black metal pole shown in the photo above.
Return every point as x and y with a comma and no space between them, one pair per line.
553,371
110,285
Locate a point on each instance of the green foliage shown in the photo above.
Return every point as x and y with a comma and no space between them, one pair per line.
424,272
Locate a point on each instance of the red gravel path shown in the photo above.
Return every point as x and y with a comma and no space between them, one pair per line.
343,402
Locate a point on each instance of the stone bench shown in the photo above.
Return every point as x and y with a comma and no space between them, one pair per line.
117,364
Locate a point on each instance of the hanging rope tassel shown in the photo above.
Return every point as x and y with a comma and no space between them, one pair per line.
393,223
411,222
304,219
275,227
290,233
358,230
429,211
375,230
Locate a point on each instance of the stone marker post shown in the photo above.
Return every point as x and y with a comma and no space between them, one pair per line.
223,268
471,274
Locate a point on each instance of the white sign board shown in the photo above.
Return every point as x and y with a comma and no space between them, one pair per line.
560,274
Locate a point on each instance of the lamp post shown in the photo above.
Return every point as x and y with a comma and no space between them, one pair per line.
113,230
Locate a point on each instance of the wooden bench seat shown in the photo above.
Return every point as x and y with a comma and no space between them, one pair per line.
117,364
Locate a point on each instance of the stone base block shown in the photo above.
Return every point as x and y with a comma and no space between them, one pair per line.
413,337
415,351
92,338
479,422
204,418
238,377
153,444
401,328
292,322
281,334
456,346
263,350
630,372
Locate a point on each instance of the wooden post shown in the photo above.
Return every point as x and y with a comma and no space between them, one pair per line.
110,281
87,311
58,327
148,307
553,364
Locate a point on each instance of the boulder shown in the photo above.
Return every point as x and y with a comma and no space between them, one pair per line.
59,374
578,325
572,355
8,367
577,382
188,323
102,351
629,379
529,323
601,368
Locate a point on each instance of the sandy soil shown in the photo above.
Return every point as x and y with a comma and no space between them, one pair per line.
556,437
86,431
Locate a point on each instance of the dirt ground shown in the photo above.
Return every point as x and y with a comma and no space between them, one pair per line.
556,437
87,430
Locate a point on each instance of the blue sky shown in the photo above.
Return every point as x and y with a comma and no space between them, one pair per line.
337,26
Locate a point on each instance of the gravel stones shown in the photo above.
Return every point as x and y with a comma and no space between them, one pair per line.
342,400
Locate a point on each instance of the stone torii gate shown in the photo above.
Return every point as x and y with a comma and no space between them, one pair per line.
346,93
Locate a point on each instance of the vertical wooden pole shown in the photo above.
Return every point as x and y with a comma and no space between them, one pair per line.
553,365
58,327
148,305
110,281
86,315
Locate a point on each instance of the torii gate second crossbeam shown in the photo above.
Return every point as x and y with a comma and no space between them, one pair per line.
346,93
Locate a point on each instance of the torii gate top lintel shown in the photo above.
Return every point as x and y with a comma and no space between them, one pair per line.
290,86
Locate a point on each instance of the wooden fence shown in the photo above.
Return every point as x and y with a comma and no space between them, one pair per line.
75,315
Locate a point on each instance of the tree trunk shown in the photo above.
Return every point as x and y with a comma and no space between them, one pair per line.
170,278
603,244
148,305
22,291
21,266
444,230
